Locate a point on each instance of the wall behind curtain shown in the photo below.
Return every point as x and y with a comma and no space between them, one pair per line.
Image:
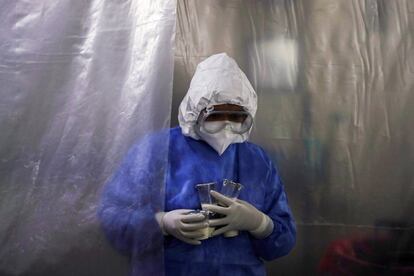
80,81
335,81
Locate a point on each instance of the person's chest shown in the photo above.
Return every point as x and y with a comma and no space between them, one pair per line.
197,167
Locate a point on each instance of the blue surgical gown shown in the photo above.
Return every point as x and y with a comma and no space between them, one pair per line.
127,209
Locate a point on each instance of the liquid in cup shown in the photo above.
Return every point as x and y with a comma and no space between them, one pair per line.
205,231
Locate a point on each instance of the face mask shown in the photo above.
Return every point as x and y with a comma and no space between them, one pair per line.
221,140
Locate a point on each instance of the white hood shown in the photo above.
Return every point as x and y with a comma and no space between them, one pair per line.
217,80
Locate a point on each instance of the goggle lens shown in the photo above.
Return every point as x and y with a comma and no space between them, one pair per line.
214,121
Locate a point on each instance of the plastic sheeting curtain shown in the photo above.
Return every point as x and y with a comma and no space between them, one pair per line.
335,82
80,81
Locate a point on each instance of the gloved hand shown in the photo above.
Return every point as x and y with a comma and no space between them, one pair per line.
182,225
239,215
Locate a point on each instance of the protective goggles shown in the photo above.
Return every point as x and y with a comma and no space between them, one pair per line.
212,121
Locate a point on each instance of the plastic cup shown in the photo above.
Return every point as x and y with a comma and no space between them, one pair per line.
204,193
232,190
205,198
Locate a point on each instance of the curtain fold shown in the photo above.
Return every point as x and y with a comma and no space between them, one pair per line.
80,82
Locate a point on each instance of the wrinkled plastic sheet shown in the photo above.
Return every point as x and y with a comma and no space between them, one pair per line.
335,82
80,82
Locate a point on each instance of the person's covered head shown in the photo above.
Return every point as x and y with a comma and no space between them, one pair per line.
220,104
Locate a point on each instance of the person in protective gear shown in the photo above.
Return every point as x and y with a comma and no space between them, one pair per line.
210,145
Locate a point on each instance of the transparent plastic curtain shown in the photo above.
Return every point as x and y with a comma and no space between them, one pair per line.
335,82
80,82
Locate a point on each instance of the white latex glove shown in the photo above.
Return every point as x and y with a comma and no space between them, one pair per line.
182,225
239,215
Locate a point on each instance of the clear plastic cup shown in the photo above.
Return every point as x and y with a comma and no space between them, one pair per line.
205,198
204,193
232,190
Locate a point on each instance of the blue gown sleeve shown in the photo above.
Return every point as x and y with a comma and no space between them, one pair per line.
131,199
283,237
